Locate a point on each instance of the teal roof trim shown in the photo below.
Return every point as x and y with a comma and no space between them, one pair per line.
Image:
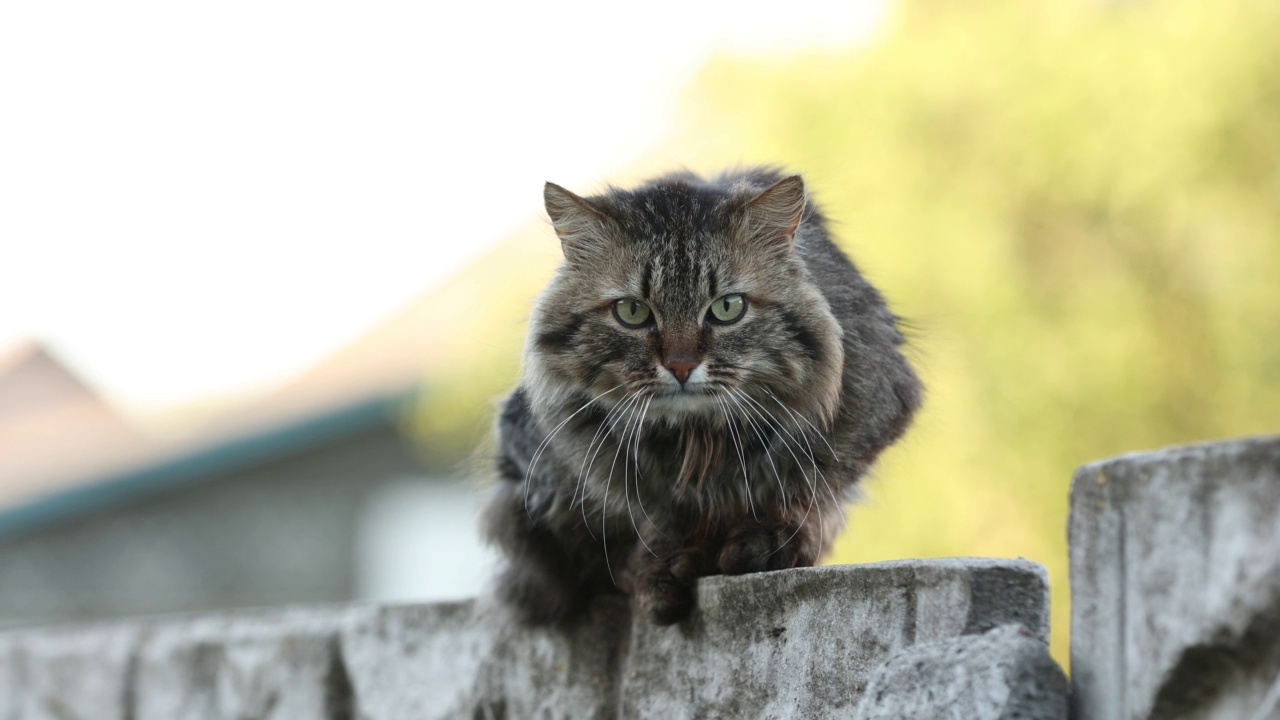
200,465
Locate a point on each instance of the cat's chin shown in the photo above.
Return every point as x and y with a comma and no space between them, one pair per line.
684,404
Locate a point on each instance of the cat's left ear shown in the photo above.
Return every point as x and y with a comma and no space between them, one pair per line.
775,213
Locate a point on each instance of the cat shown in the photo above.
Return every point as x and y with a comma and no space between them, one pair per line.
705,380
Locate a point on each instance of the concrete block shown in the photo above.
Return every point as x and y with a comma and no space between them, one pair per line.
1003,673
470,659
805,643
10,680
254,664
72,673
1175,574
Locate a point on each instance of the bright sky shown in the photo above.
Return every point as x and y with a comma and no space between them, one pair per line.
200,198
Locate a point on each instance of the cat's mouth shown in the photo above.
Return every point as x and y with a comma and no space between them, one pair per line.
687,399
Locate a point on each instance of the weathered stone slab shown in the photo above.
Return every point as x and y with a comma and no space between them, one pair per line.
470,660
72,673
255,664
805,643
1003,673
1175,574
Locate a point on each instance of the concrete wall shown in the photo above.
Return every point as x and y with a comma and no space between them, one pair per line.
1175,584
1175,560
929,639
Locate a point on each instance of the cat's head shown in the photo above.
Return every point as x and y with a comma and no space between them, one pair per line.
688,294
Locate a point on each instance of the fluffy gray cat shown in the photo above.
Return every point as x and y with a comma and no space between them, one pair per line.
705,381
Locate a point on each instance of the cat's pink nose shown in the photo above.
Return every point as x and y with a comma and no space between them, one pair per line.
681,369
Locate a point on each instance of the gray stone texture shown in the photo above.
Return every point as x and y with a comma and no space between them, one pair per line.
67,674
794,644
1175,583
469,660
268,665
1003,673
805,643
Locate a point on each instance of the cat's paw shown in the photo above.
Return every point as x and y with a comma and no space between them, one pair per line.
747,551
758,549
666,601
665,588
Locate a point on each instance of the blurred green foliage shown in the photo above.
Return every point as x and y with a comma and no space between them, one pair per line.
478,321
1075,204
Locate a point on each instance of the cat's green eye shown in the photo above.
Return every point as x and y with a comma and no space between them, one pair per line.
728,309
632,313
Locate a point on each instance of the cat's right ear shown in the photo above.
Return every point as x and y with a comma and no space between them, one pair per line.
579,224
774,214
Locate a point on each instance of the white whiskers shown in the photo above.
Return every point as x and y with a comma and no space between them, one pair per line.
737,443
537,454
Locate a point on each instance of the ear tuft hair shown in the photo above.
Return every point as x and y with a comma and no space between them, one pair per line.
578,223
775,213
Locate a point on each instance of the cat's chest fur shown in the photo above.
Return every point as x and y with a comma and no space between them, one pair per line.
663,472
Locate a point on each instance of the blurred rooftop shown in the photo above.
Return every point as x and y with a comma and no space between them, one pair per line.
58,435
55,428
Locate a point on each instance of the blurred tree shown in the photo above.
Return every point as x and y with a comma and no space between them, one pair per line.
1076,204
477,321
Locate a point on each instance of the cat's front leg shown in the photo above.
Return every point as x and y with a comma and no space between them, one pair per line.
664,573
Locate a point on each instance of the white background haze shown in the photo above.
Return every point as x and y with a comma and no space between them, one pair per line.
203,198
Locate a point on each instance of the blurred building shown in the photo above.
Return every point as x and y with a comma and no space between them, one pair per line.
312,494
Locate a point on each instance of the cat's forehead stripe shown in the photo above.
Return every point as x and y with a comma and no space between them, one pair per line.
674,269
680,272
